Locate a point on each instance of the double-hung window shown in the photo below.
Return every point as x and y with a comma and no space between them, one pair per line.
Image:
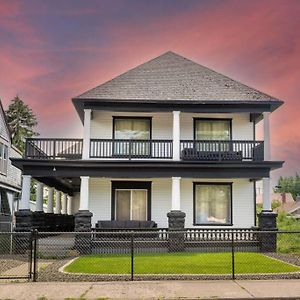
212,203
132,136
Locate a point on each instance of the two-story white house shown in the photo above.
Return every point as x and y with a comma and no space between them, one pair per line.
10,176
170,141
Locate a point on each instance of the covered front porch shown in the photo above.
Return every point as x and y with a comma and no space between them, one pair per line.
118,202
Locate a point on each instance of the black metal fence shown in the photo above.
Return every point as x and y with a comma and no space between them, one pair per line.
149,255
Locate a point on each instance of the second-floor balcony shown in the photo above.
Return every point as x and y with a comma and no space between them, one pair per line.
152,149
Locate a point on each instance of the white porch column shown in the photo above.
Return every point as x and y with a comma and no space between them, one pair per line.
267,148
267,195
86,134
57,203
84,193
39,197
69,205
50,200
176,193
64,203
176,135
25,197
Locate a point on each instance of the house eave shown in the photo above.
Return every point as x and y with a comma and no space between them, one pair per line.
195,106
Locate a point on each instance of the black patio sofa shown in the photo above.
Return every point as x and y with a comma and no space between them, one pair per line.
114,224
118,229
194,154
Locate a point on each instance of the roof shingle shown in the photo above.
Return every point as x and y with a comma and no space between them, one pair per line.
173,77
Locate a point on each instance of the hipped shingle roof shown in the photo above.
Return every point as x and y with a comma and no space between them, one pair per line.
173,77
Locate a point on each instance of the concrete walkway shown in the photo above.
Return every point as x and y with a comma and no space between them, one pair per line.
240,289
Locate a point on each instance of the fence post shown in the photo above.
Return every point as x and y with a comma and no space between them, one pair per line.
35,238
30,253
132,255
232,256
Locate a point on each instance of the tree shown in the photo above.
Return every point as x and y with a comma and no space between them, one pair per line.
289,185
21,121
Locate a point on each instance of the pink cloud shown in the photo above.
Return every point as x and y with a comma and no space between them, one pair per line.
256,42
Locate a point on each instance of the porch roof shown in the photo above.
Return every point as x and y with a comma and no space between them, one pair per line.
62,172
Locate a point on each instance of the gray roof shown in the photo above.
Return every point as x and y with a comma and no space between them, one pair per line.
173,77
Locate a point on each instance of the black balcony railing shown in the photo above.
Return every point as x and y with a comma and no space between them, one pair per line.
202,150
190,150
38,148
108,148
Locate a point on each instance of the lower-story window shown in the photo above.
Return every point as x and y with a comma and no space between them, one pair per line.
131,200
212,203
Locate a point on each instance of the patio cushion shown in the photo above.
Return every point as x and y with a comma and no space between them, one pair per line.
125,224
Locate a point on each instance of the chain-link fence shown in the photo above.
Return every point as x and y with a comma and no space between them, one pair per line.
16,255
150,255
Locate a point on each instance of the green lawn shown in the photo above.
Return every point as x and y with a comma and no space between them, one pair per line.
286,242
179,263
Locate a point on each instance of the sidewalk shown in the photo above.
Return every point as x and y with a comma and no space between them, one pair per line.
240,289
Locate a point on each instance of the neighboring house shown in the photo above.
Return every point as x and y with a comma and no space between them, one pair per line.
169,141
10,176
290,207
280,197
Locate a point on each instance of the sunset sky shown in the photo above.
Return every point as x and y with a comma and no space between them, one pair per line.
51,51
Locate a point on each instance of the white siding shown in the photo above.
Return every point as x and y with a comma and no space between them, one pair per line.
101,124
243,202
12,180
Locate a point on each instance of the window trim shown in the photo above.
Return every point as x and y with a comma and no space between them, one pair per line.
131,117
212,119
230,184
133,185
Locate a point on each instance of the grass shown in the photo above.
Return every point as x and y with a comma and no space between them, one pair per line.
179,263
286,243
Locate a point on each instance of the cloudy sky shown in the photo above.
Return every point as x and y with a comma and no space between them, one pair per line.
51,51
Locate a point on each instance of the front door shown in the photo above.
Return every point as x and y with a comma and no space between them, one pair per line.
131,204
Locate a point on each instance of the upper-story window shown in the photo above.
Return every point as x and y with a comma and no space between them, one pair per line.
132,128
3,158
138,133
212,129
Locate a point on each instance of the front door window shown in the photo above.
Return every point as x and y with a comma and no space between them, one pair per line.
131,204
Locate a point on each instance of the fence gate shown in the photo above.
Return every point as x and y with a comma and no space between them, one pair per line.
16,255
